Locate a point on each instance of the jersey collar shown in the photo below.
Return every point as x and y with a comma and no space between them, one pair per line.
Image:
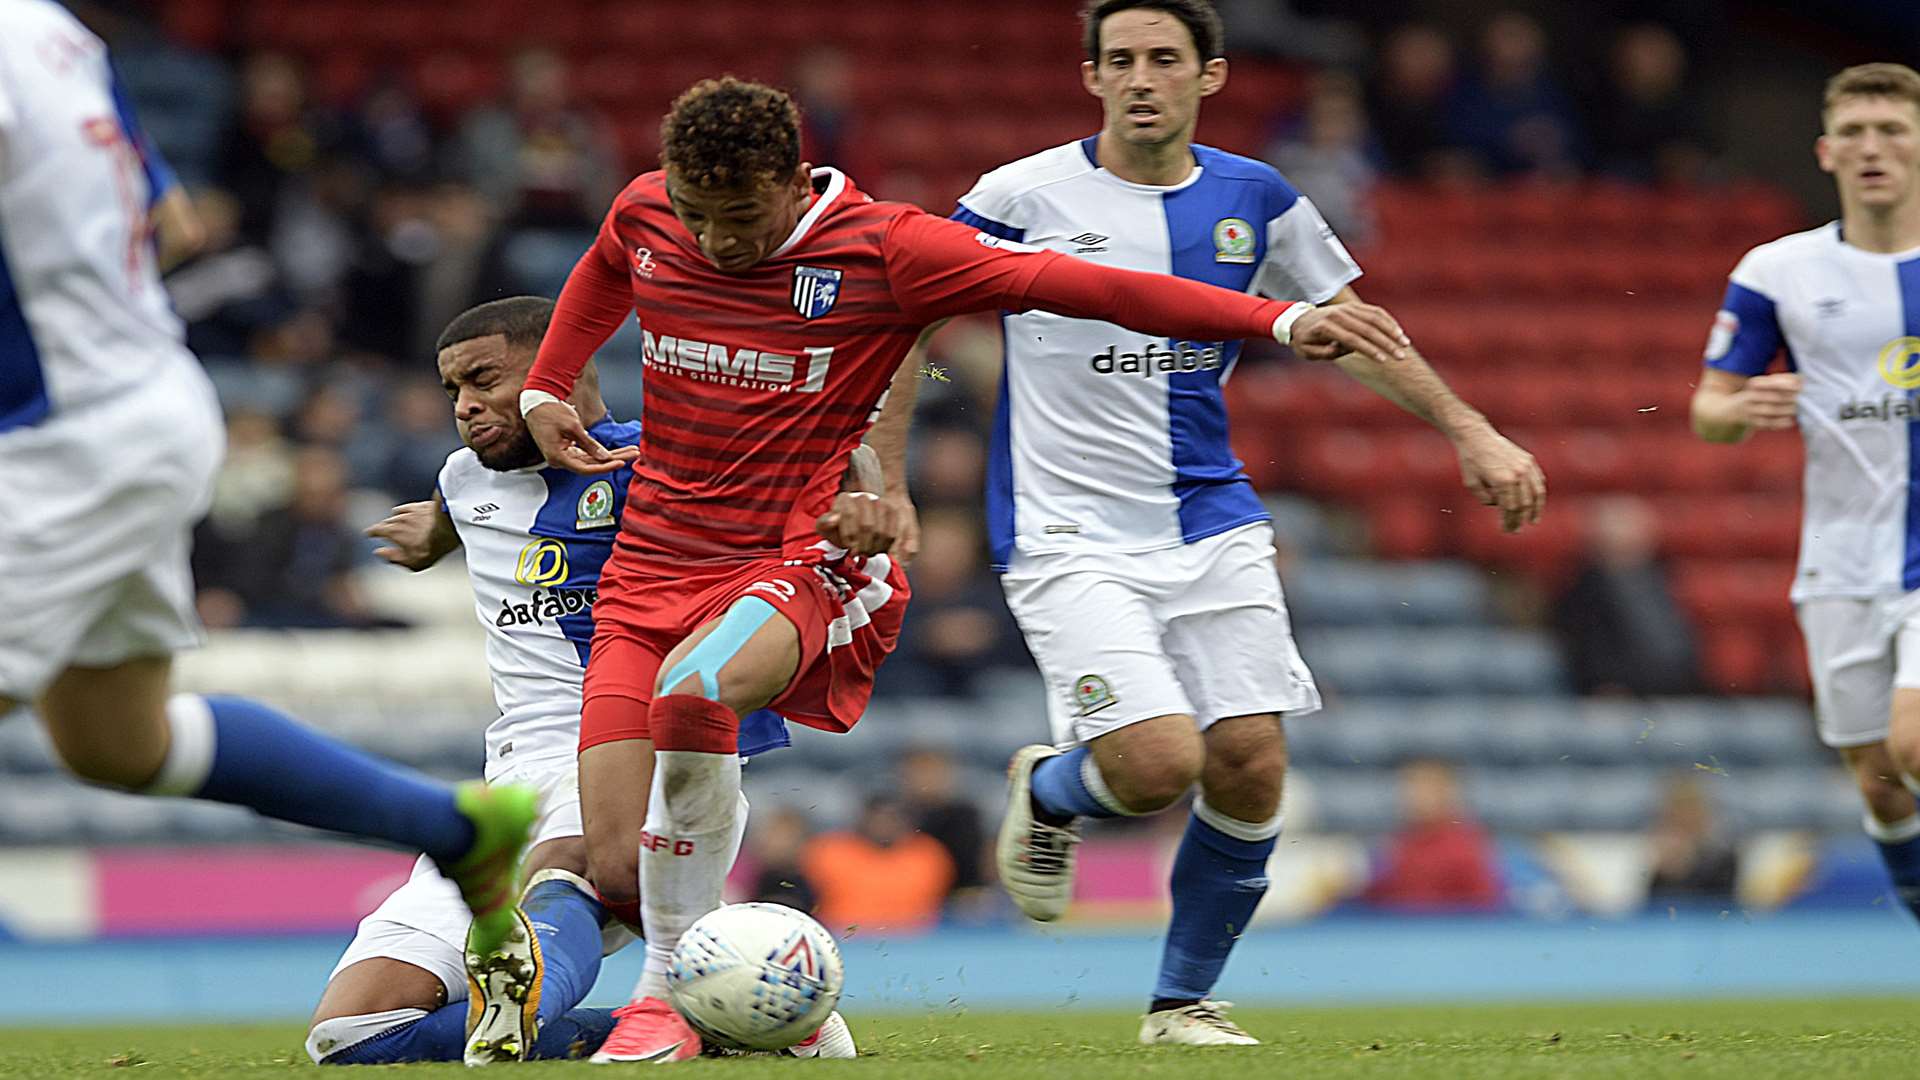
1090,146
835,185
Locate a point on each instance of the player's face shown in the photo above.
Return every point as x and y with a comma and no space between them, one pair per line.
1150,77
1872,148
739,227
484,377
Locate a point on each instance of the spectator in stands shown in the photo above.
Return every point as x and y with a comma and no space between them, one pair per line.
1647,127
1440,859
253,481
961,631
1327,157
1274,28
930,785
548,164
404,455
777,844
298,562
230,290
1693,861
950,467
274,146
1511,112
882,876
1408,103
823,85
1622,629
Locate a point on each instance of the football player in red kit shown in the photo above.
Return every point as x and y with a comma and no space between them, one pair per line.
776,303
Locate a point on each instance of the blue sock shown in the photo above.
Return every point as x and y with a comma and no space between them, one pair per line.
577,1033
441,1035
567,923
1218,880
1060,786
259,758
1899,846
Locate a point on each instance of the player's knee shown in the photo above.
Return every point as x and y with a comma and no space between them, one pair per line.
1877,773
614,869
1146,782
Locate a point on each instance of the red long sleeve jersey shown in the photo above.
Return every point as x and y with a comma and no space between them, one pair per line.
759,384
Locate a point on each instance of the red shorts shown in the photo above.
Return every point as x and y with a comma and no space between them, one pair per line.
847,627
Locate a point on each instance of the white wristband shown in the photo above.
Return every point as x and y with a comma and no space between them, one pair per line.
533,399
1282,325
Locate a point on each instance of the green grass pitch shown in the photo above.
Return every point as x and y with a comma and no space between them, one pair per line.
1748,1040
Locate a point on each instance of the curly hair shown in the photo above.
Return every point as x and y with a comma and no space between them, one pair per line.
728,133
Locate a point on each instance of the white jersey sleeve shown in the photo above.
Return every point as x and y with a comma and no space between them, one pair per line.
1305,260
1746,331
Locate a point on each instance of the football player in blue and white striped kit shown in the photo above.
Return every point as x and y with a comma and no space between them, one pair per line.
1843,303
110,438
1136,555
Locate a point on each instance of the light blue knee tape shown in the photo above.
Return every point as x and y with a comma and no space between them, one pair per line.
707,658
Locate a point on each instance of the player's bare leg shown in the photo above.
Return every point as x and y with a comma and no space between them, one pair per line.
726,669
1219,877
615,778
1884,771
120,725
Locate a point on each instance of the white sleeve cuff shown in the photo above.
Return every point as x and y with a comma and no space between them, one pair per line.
533,399
1282,325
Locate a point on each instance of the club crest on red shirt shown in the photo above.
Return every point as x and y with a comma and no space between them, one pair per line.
815,290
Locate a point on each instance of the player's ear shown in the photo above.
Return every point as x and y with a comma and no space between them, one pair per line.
1213,76
1090,77
1823,153
803,178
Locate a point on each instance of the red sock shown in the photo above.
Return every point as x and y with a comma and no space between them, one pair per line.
691,722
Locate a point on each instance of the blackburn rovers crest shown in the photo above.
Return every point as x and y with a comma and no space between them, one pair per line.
1233,241
815,289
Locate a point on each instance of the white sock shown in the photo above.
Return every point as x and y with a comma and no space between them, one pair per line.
696,808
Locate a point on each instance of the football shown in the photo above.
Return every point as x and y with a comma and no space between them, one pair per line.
755,976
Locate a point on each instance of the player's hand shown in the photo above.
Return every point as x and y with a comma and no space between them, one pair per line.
860,522
1499,473
564,442
1767,402
906,546
1328,333
417,535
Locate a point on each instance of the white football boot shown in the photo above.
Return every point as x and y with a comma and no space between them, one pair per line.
1035,858
833,1040
1203,1023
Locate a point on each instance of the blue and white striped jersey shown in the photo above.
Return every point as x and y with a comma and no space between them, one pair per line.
535,540
1112,441
1849,322
83,316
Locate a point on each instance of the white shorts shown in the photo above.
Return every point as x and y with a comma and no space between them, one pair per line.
1858,651
97,507
424,922
1198,630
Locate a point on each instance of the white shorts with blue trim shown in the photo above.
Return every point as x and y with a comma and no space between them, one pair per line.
1198,630
97,507
1859,649
424,922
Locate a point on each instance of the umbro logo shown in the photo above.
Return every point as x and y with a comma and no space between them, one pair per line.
1088,242
485,510
1831,307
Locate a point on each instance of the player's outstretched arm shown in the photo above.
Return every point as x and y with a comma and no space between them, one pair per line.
888,442
1728,406
1493,468
418,534
939,268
